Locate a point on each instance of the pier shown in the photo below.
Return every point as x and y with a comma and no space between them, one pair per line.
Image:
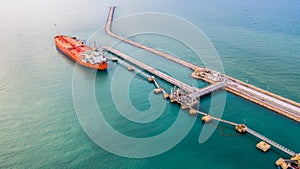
209,89
218,81
256,134
141,46
259,96
195,93
271,142
151,70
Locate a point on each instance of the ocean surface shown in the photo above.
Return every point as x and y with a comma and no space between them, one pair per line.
257,41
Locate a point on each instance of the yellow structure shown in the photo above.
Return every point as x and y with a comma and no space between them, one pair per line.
280,162
114,59
172,100
151,79
199,72
285,164
193,112
183,107
206,119
241,128
296,158
166,95
157,90
263,146
130,68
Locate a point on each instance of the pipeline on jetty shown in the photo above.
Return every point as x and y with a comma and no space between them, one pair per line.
196,93
218,81
206,90
273,143
259,96
144,47
140,72
254,133
161,75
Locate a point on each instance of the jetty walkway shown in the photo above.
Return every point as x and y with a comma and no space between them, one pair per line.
264,98
209,89
195,93
141,46
218,81
271,142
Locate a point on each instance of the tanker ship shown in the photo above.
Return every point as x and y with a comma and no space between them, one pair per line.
76,50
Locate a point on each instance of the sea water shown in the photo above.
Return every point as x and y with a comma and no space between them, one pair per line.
257,41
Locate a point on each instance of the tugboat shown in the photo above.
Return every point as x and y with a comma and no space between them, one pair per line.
79,52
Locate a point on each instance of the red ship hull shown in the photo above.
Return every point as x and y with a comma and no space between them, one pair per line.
74,49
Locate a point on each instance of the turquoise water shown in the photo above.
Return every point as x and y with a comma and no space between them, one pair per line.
258,42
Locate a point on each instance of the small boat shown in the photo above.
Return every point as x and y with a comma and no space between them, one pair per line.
79,52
